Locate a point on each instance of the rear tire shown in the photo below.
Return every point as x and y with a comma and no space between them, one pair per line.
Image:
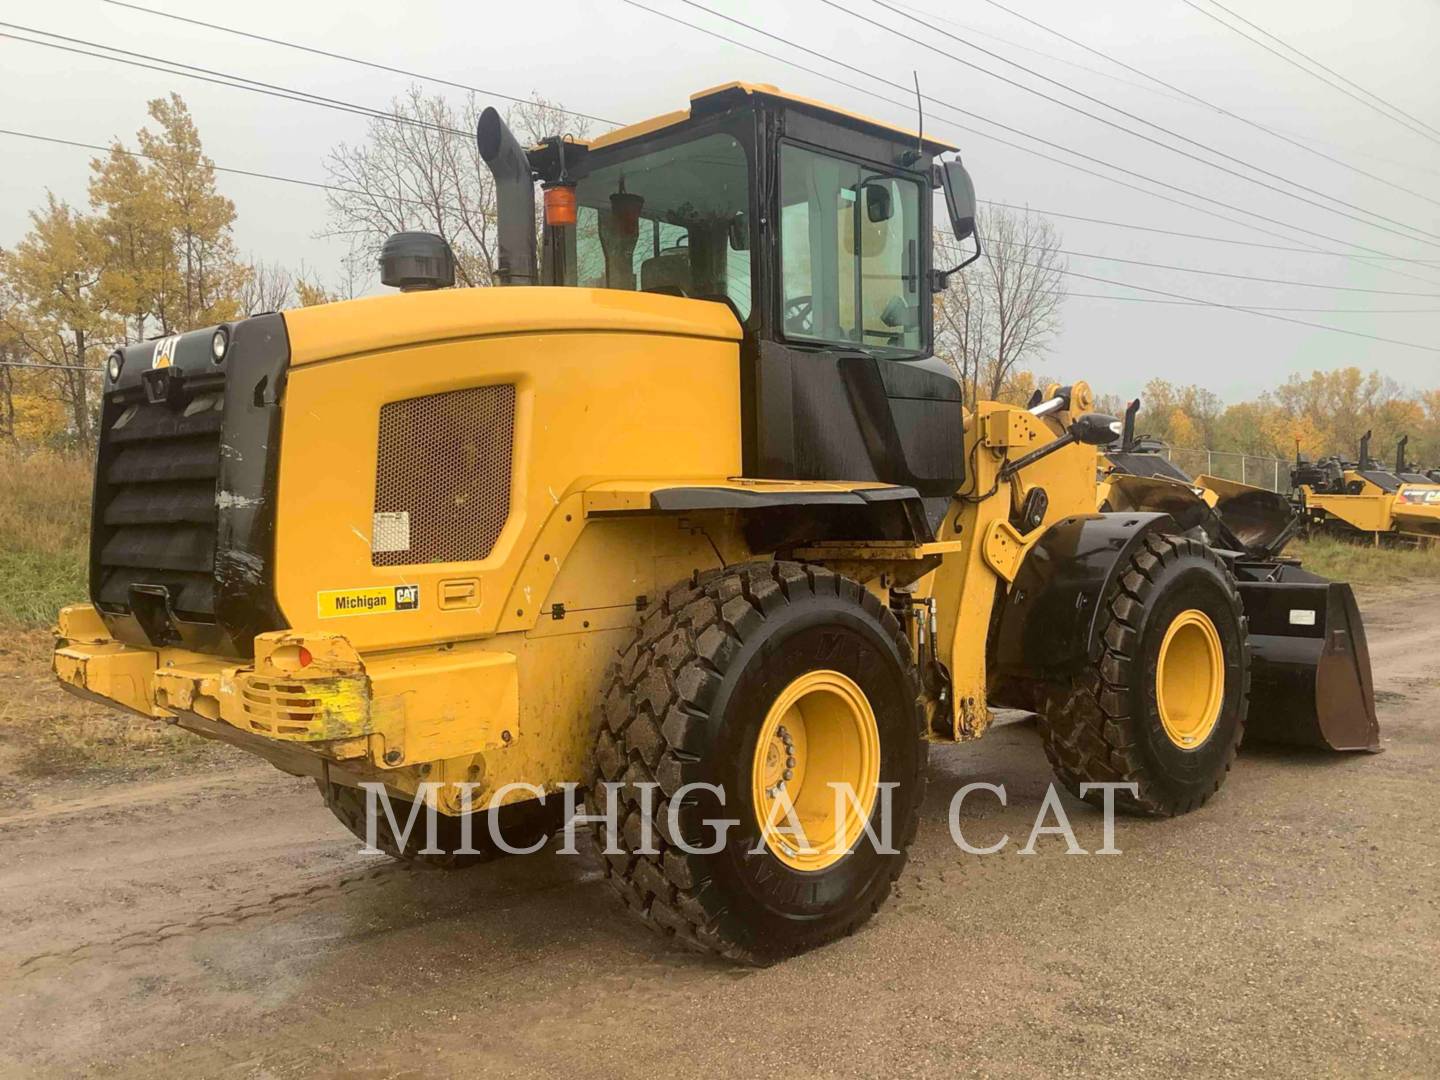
697,698
1175,608
520,824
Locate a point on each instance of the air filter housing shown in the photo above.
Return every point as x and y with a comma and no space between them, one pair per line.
412,261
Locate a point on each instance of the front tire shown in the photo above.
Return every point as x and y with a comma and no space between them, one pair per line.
1163,707
758,679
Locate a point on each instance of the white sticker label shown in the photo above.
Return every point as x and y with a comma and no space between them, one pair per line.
1302,617
390,532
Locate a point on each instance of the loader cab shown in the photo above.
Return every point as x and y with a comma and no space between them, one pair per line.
814,226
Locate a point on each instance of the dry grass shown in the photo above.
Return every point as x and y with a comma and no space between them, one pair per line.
44,732
1368,566
44,527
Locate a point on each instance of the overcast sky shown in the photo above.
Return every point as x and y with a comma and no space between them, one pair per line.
615,61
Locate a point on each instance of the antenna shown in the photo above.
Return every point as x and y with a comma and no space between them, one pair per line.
909,157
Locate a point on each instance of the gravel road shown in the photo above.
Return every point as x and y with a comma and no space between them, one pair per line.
223,924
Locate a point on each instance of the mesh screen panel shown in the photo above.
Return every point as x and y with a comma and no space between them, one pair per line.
442,485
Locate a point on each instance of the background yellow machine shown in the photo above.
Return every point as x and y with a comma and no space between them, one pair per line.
1363,502
690,503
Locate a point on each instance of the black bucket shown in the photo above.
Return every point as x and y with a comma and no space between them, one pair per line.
1310,681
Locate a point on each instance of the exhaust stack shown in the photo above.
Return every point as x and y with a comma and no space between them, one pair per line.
514,197
1365,451
1400,454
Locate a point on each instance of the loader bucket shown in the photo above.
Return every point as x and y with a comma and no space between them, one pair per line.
1262,520
1310,682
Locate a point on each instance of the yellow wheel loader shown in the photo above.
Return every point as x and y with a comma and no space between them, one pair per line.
1363,502
686,513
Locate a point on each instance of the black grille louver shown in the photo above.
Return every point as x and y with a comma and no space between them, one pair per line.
182,534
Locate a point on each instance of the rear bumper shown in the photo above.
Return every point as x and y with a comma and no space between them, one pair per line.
392,711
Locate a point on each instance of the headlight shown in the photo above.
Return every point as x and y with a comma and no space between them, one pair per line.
114,365
219,344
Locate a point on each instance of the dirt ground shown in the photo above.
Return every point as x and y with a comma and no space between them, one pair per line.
214,920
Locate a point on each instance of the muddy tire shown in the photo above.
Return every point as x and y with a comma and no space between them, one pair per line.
703,696
520,824
1163,707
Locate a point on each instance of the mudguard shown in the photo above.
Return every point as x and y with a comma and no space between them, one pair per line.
1049,625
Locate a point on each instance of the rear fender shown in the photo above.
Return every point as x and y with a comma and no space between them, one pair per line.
1050,622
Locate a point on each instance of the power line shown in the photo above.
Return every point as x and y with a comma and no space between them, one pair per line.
117,149
1196,99
1314,75
219,78
1258,307
908,104
1215,273
1434,237
352,60
1234,307
53,367
1198,236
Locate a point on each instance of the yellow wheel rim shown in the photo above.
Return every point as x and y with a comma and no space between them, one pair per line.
821,731
1190,679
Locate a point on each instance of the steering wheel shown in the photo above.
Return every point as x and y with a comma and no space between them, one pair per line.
799,314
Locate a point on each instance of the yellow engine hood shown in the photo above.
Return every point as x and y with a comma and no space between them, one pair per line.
352,327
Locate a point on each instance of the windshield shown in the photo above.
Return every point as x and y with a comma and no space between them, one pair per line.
672,221
849,254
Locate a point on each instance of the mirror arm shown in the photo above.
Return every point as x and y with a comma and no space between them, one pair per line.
940,279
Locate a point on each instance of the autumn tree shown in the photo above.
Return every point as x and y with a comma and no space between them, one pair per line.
996,319
170,258
56,315
419,169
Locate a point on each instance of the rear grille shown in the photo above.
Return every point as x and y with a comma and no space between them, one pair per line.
442,483
156,516
278,708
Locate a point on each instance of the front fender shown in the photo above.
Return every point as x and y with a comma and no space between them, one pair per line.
1049,624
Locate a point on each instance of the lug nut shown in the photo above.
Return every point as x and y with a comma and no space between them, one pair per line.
790,762
789,775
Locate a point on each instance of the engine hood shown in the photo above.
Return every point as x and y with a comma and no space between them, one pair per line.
376,323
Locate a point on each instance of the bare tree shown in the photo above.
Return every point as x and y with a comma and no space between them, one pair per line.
998,317
420,169
267,287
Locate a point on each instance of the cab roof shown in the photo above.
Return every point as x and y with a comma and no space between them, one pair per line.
718,97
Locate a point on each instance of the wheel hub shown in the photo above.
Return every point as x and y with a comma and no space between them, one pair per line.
820,731
1190,679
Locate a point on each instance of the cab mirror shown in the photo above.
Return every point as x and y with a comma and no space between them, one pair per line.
738,232
1095,429
879,205
959,199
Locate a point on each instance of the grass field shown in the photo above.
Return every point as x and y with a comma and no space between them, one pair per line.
1367,566
44,524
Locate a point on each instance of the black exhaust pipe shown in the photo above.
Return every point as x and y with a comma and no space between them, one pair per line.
514,198
1127,438
1365,451
1400,454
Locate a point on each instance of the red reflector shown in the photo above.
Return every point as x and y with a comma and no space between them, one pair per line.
560,205
305,656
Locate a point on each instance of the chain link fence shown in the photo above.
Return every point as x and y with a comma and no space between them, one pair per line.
1266,472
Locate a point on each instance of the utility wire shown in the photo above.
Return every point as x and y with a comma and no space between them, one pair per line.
1214,273
1233,307
219,78
1197,100
909,104
352,60
1418,130
1256,307
880,24
1197,236
117,149
53,367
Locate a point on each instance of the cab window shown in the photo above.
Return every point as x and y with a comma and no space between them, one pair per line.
849,254
672,221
